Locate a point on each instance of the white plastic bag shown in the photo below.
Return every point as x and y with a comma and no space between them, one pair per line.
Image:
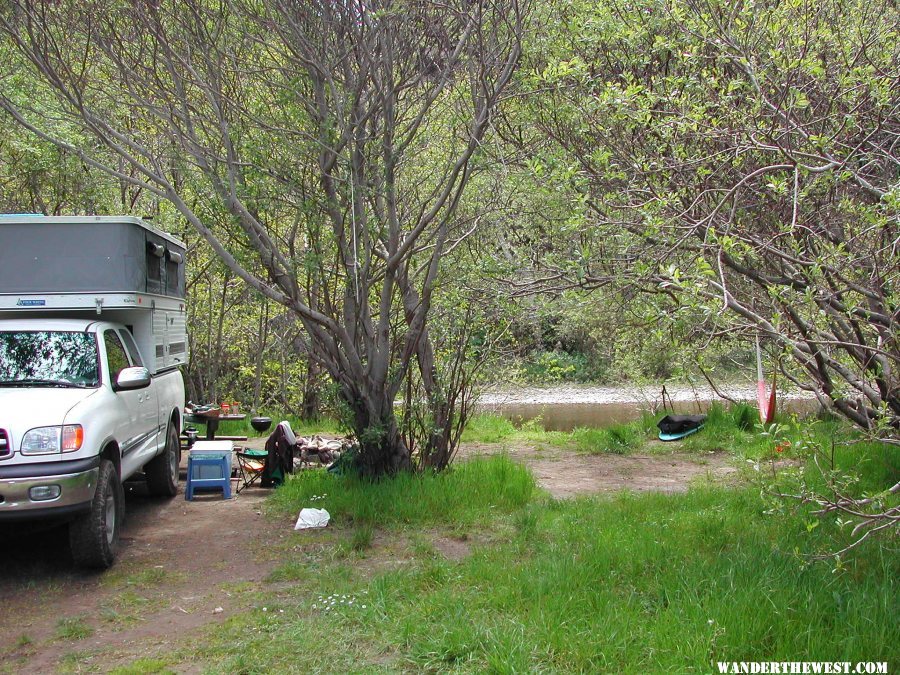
312,518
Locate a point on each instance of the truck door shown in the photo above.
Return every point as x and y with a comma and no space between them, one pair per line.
150,409
137,431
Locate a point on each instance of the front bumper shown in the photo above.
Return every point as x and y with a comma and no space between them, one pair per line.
77,483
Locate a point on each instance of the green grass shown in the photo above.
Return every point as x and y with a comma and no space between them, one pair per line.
324,426
617,583
143,667
877,466
463,494
617,439
124,609
76,662
153,576
735,429
488,429
73,628
630,583
646,583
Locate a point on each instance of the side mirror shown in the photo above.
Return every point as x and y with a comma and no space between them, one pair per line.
132,378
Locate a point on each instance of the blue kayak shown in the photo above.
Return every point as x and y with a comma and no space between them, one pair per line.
676,436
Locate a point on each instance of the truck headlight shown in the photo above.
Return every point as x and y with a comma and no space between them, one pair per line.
49,440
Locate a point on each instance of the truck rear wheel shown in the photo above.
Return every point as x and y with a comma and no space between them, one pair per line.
94,537
162,470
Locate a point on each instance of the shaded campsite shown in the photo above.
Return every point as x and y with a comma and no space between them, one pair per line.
187,565
219,585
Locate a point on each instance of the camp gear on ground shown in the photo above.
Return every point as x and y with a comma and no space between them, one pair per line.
675,427
251,464
279,455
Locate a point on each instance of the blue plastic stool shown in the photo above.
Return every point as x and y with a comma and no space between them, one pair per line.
208,470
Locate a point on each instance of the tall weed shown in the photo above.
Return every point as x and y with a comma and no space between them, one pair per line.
630,583
617,439
324,426
460,495
486,428
689,580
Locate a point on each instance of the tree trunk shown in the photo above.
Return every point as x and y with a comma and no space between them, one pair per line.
311,400
217,356
382,448
262,337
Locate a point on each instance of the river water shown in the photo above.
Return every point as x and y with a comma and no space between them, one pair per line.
565,407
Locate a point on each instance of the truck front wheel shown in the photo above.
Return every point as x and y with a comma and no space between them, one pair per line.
162,470
94,537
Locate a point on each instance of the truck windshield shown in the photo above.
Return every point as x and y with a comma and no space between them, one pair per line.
48,359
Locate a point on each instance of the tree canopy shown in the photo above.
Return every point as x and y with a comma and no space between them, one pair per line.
321,150
740,160
406,178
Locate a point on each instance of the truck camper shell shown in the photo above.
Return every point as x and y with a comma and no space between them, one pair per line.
118,268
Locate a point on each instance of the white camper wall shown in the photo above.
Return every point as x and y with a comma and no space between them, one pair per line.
177,353
160,322
170,338
160,334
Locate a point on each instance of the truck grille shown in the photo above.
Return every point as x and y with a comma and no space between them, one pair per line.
5,447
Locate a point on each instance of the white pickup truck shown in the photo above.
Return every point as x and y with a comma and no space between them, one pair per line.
90,391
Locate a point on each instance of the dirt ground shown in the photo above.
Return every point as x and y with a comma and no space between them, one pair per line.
185,565
567,474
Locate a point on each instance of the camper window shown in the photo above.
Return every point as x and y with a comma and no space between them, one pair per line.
173,258
155,253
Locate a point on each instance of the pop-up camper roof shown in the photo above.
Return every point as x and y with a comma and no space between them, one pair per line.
48,255
119,268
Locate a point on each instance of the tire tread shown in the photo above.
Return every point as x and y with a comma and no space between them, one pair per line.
87,534
160,482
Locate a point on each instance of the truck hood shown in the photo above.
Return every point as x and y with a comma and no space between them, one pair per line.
37,407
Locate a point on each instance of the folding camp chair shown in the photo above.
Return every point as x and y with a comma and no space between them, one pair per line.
251,464
268,467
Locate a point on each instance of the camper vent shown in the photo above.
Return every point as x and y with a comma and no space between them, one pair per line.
5,447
